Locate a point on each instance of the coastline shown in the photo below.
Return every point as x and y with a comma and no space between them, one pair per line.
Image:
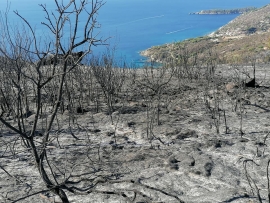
224,11
148,54
244,37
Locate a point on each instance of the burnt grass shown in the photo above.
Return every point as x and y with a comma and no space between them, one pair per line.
209,144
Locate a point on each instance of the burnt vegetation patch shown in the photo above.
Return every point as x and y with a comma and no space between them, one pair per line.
190,129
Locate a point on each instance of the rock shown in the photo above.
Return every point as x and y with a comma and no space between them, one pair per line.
230,87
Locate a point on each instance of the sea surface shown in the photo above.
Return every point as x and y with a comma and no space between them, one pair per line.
135,25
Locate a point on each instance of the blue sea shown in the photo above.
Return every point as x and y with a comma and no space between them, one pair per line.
135,25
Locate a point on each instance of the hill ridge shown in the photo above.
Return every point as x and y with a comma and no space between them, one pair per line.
247,37
255,21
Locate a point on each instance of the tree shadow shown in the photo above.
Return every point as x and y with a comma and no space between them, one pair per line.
245,196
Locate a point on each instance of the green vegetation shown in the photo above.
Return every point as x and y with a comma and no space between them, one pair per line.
244,37
226,47
251,30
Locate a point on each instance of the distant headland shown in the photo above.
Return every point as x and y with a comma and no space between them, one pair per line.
224,11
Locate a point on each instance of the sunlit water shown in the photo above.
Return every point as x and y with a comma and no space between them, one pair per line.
135,25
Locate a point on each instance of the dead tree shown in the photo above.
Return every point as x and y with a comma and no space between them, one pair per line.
153,84
27,84
24,46
110,78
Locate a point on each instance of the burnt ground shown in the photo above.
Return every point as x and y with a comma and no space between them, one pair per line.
183,156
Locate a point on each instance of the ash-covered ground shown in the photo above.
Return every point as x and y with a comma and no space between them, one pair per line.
190,140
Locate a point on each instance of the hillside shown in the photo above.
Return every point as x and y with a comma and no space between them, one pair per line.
247,36
224,11
256,21
173,136
191,130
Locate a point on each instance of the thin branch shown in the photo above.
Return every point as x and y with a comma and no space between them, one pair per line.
250,180
14,177
268,180
25,197
13,128
31,29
